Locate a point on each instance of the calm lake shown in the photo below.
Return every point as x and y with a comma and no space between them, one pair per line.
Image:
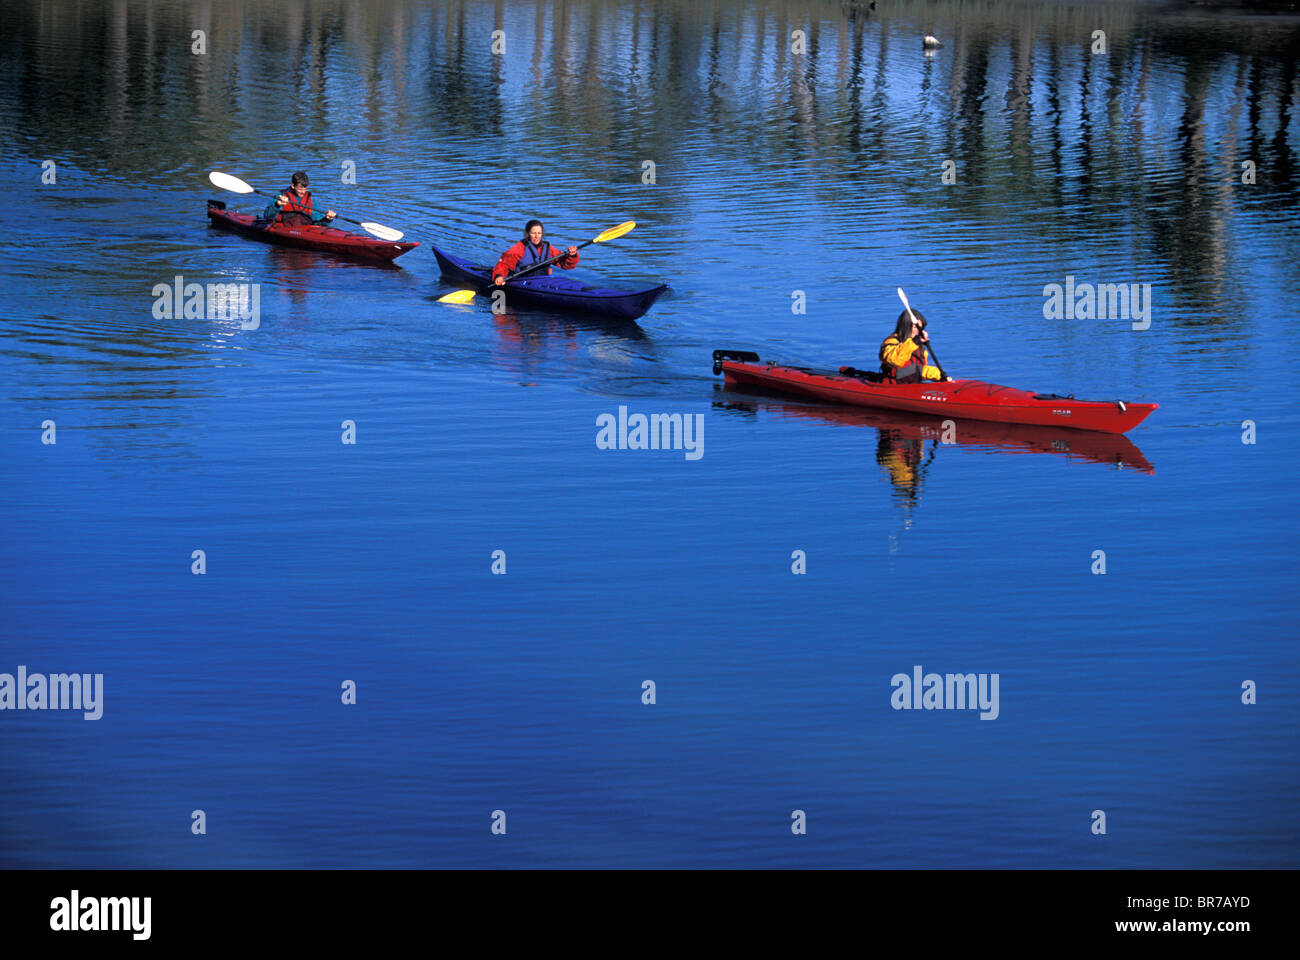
350,464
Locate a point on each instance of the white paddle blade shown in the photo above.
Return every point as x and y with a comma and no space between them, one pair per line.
226,182
906,306
382,232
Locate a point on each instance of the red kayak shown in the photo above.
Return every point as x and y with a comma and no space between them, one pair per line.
960,399
314,237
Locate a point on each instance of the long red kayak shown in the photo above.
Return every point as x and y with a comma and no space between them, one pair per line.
314,237
962,399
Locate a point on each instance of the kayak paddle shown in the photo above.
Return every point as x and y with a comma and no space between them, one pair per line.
908,307
613,233
226,182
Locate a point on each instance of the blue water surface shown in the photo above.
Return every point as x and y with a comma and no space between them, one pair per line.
776,174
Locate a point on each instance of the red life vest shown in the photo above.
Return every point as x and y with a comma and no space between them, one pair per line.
297,211
911,373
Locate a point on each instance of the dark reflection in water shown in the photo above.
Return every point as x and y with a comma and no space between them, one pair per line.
907,443
538,343
1014,97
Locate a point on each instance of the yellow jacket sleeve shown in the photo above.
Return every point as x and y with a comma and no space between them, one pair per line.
897,354
900,355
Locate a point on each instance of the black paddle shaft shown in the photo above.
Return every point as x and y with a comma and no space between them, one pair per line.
276,196
933,356
545,263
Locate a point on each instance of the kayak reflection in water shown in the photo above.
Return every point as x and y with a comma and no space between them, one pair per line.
292,208
903,354
531,249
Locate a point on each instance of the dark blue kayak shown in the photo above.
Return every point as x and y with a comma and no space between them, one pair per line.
556,291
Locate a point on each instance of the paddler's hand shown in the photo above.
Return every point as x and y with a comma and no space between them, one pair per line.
330,215
573,251
281,200
499,281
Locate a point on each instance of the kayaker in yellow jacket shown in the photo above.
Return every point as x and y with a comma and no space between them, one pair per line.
903,357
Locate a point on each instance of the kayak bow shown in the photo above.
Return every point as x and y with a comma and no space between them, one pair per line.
958,399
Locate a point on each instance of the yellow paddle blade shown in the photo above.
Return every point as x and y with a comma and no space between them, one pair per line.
613,233
458,296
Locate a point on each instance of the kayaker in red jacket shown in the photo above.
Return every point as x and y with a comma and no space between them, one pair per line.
531,249
903,357
293,207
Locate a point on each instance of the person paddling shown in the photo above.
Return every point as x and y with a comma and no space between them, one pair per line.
903,355
292,208
530,250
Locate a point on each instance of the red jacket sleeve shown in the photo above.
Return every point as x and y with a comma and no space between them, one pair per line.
568,263
509,260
